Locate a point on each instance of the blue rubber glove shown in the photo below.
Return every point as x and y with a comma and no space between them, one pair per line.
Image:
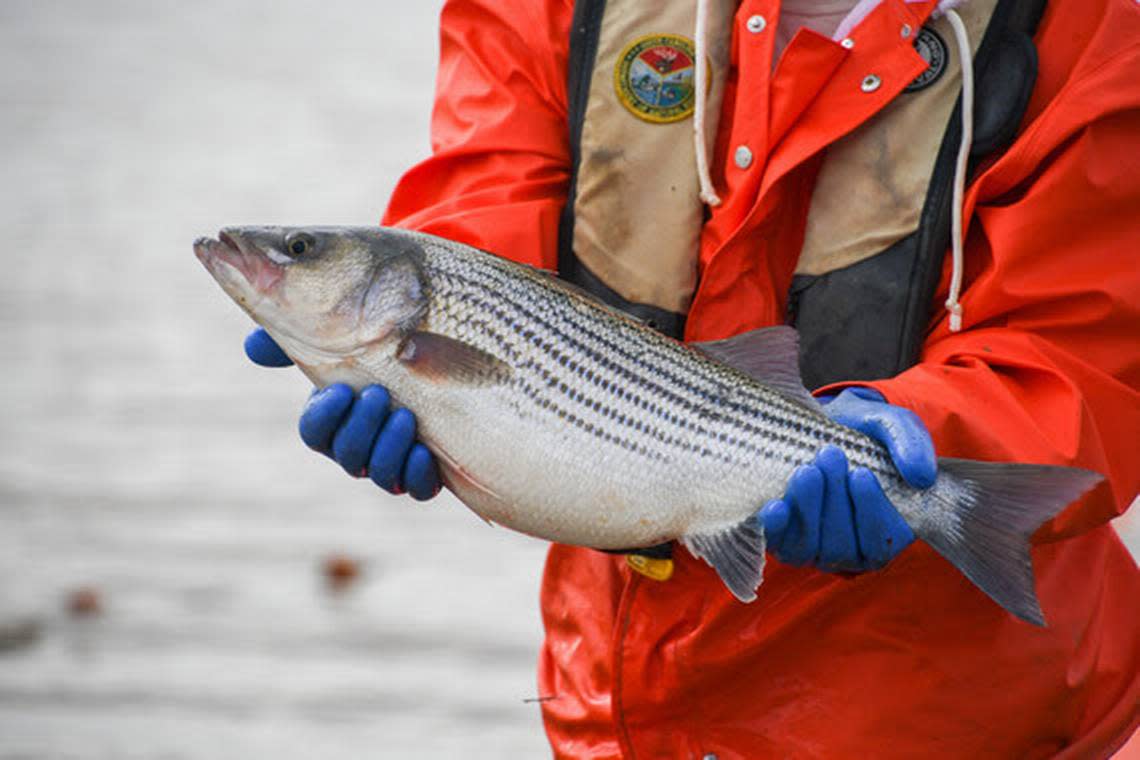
837,518
263,350
359,431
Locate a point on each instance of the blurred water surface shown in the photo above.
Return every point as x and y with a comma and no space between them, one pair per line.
143,456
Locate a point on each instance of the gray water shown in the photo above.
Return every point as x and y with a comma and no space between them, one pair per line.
143,456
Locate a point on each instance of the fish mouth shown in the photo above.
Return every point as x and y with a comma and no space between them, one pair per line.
229,251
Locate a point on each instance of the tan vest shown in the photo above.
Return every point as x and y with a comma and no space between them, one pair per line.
637,214
631,229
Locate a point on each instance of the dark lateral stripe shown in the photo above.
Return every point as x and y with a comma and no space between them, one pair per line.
800,442
654,351
575,415
668,358
530,310
783,429
582,404
579,371
794,428
534,324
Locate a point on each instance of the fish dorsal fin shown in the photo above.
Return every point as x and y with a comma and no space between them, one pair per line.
440,358
768,354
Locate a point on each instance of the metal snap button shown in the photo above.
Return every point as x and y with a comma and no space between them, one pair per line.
905,31
756,23
870,83
742,157
848,43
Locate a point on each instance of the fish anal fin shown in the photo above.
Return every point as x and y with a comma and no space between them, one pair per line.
441,358
735,552
768,354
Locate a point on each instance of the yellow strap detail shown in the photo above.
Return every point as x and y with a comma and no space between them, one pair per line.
657,569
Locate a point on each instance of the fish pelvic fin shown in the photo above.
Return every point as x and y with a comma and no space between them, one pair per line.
993,510
460,482
736,553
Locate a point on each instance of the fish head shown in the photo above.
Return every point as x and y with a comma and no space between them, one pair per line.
325,294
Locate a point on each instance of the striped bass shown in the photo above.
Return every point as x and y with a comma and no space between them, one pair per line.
560,417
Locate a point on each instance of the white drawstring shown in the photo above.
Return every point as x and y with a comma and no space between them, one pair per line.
708,192
967,60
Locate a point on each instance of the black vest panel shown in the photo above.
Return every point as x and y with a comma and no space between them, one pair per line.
868,321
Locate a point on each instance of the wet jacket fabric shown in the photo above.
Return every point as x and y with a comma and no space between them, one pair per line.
913,660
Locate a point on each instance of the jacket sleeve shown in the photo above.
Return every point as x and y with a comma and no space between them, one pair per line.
500,164
1048,369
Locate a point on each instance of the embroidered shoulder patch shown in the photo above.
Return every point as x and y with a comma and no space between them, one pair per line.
933,50
654,78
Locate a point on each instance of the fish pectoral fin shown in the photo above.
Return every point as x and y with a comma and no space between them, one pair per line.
768,354
736,553
440,358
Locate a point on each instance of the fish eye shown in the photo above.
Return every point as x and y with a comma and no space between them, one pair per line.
299,243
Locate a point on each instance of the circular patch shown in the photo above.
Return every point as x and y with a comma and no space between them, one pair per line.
933,50
654,78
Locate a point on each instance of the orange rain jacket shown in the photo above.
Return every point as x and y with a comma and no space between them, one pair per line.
911,661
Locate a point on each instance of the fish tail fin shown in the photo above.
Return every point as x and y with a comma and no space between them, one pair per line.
991,510
735,552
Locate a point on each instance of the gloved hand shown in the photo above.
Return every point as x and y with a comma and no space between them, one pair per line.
358,431
263,350
837,518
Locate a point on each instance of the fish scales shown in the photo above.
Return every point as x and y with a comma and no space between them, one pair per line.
568,335
560,417
710,403
564,402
